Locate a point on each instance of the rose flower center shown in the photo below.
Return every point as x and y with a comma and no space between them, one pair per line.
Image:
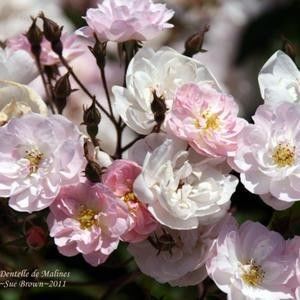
129,197
212,121
284,155
87,218
35,157
253,274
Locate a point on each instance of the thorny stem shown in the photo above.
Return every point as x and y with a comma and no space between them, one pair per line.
126,147
48,96
50,87
126,67
104,82
118,124
67,66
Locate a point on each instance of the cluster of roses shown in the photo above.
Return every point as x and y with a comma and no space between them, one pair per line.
169,198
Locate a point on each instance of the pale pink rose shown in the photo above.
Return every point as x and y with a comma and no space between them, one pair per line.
119,177
123,20
71,48
177,256
250,263
293,251
87,219
207,119
38,156
268,155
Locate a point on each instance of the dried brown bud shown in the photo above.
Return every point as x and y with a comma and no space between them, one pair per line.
35,37
92,118
93,171
194,43
62,87
99,52
92,115
52,32
289,48
62,90
92,131
159,108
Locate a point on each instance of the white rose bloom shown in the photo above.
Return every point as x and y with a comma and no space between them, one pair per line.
279,79
17,66
161,72
180,194
17,100
149,143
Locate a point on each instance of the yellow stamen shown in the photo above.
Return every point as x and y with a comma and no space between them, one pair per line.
129,197
212,121
284,155
35,157
87,218
253,274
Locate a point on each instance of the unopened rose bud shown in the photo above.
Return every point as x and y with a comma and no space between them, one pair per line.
53,32
35,37
159,108
93,171
99,52
92,118
36,237
194,43
289,49
92,115
62,90
62,87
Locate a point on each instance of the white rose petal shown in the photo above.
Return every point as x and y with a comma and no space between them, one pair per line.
180,194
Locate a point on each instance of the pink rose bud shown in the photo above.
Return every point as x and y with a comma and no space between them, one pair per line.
36,237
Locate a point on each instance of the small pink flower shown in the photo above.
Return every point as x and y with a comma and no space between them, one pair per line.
206,119
119,177
71,48
87,219
123,20
250,263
